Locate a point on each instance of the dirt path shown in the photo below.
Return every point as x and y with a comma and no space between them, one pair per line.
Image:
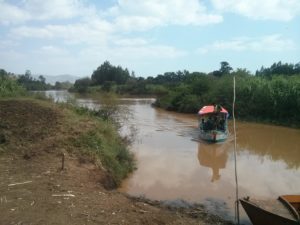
34,189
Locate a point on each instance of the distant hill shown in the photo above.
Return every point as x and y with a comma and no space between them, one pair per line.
59,78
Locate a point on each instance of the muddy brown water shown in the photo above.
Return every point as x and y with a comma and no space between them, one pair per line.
174,164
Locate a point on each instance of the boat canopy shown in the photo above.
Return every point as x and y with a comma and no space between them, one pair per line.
208,109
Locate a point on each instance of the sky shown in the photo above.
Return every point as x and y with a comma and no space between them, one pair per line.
149,37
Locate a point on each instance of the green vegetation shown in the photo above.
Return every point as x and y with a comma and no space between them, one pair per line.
81,85
31,84
9,86
279,68
91,134
273,99
109,73
101,142
106,76
271,95
62,85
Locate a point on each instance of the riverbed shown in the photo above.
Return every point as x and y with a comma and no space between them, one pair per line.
174,165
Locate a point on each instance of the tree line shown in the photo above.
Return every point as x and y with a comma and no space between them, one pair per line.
272,94
279,68
28,82
32,84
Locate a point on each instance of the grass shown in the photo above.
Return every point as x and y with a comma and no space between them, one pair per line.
107,152
98,140
79,131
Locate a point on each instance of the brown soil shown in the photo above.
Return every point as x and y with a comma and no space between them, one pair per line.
35,190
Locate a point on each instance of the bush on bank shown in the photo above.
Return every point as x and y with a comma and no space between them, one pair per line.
9,86
101,142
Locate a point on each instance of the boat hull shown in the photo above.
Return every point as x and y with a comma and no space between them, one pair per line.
213,135
260,216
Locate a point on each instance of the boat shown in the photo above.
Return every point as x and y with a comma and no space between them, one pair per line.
213,123
284,210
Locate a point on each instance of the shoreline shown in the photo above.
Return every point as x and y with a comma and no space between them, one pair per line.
36,135
244,119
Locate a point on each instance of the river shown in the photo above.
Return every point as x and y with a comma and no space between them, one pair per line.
174,165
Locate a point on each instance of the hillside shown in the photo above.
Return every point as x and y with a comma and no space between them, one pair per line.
60,78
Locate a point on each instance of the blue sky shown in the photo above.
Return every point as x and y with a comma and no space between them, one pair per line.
148,37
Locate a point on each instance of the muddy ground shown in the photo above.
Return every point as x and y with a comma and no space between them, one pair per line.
34,189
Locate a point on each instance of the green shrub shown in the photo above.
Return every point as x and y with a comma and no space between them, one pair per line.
9,87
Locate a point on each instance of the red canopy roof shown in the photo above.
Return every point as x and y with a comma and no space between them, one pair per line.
211,109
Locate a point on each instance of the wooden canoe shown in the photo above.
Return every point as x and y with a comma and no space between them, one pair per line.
282,211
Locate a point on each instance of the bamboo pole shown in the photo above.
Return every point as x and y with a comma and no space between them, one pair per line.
237,211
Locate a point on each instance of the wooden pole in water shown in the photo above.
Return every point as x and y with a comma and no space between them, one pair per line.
237,211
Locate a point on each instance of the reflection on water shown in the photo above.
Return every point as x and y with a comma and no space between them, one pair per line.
213,156
59,96
172,165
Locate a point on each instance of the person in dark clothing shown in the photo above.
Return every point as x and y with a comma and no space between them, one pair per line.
221,125
209,124
202,124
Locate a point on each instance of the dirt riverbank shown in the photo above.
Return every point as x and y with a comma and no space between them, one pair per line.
34,189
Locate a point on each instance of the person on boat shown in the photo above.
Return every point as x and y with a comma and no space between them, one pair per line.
215,122
221,125
209,124
202,124
217,108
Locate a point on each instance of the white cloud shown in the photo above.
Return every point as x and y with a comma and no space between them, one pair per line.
31,32
52,50
11,56
148,52
94,32
143,15
54,9
129,52
127,14
279,10
12,14
131,42
27,10
54,60
265,43
8,44
87,36
140,23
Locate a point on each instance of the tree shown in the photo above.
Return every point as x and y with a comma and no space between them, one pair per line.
107,86
81,85
241,72
28,74
3,73
31,83
279,68
217,73
62,85
201,85
225,69
108,72
42,79
9,86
